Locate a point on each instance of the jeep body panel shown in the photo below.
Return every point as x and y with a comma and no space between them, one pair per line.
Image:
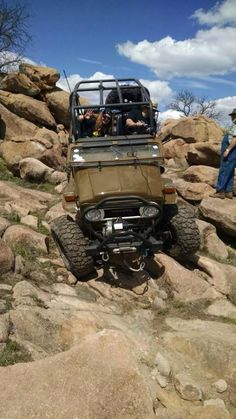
94,185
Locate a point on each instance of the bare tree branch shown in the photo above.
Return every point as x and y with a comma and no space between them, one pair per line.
14,33
189,104
183,102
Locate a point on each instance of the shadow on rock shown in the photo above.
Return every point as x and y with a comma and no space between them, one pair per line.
121,276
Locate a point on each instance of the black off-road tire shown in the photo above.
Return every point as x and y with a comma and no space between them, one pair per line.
185,234
129,95
71,244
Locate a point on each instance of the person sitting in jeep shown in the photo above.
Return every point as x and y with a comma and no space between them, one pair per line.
88,123
138,121
103,126
93,125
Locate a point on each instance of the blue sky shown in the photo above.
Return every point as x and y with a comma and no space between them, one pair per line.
170,45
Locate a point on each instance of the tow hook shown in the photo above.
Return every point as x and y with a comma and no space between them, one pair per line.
140,268
105,257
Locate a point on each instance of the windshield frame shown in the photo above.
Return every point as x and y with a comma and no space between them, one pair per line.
124,146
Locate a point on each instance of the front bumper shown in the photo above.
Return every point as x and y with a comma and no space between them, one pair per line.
124,242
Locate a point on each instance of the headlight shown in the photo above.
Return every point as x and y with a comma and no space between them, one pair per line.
95,215
149,211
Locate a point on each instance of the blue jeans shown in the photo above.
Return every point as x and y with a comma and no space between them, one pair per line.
225,180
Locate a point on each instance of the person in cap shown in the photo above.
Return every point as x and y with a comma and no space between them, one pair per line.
103,125
225,181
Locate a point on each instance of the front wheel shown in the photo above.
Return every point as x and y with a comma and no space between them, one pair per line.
185,234
71,244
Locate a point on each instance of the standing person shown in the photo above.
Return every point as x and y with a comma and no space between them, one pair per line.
225,182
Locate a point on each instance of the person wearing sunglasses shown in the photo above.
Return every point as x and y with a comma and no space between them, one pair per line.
103,126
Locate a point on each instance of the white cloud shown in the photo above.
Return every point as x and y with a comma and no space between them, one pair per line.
169,114
225,105
222,13
211,52
160,91
76,78
86,60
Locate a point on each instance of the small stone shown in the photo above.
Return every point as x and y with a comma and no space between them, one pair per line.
220,386
4,223
60,278
4,327
30,220
59,188
38,277
72,280
162,364
5,289
46,225
19,264
162,381
187,388
3,307
159,305
60,127
222,308
214,402
163,295
62,271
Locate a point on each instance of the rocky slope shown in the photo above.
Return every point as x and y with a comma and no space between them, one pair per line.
148,345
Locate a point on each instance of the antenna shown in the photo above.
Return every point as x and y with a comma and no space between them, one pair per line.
67,80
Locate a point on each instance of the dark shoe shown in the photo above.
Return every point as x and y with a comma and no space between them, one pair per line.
220,195
229,195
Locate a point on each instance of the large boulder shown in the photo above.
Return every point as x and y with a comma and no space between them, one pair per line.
221,213
44,145
19,83
33,169
175,148
192,130
14,151
29,108
206,348
18,237
58,103
185,285
210,242
201,173
221,276
192,191
204,153
12,125
13,197
44,77
99,378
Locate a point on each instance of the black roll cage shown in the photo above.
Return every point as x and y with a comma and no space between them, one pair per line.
121,106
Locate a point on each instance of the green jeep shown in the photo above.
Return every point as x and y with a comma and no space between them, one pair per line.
123,210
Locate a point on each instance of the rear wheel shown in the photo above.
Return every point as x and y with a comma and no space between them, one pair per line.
71,244
185,233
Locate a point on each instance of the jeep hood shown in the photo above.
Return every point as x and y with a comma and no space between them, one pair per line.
94,184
